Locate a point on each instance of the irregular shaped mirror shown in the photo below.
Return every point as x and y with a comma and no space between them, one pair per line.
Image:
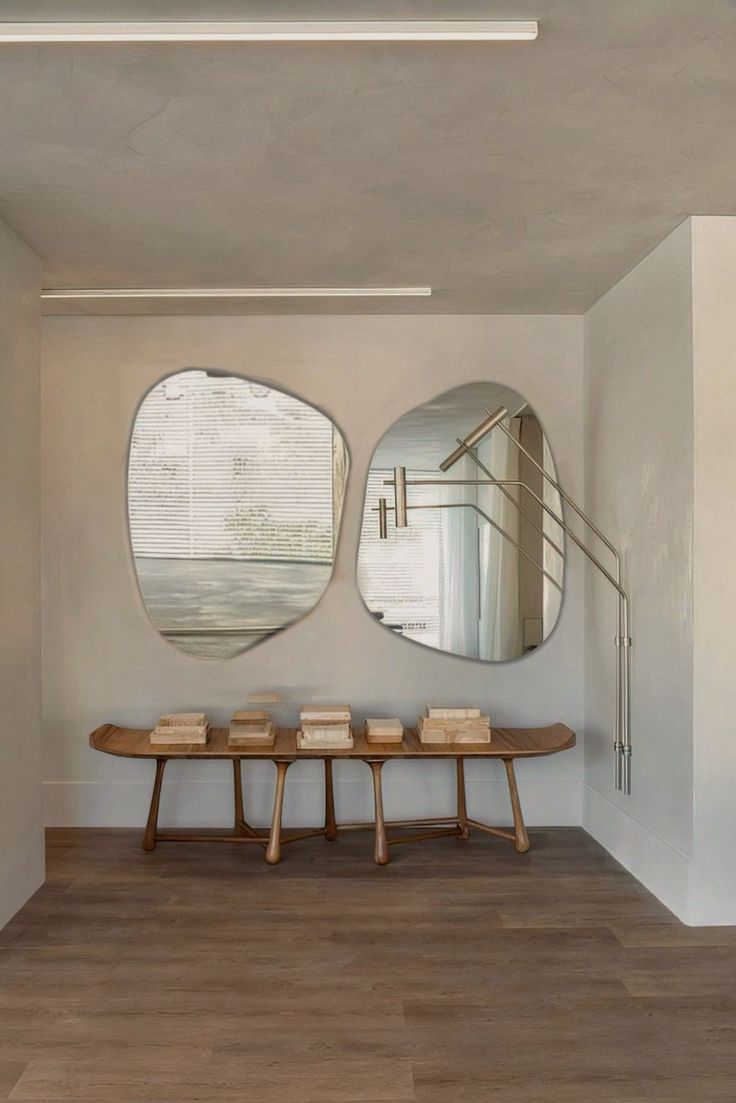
235,493
460,549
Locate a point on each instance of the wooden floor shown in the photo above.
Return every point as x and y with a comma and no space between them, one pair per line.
460,973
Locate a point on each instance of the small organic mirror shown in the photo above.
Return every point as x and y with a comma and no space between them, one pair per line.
460,549
235,493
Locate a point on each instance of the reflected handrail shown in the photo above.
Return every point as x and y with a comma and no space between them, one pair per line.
383,508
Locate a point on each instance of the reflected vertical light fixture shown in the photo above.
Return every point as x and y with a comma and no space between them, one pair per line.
382,519
400,518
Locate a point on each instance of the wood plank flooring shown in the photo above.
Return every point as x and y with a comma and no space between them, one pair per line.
460,973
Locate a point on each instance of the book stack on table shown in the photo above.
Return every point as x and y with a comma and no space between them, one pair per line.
181,729
384,731
454,725
251,729
325,727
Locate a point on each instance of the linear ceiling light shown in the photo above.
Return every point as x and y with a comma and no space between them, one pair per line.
235,292
312,31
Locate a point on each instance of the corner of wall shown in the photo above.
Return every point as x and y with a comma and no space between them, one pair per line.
638,393
713,878
21,802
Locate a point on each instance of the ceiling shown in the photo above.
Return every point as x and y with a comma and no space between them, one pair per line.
512,178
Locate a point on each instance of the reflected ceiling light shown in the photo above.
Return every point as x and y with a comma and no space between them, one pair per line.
394,30
78,293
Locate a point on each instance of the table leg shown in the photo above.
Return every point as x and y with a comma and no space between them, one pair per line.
521,839
380,853
462,807
273,850
149,835
330,821
238,810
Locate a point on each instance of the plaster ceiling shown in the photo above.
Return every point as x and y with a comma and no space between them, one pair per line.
512,178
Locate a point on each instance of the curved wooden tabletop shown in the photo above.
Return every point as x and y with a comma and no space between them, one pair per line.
505,743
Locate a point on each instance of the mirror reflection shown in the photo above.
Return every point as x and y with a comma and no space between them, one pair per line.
235,492
460,549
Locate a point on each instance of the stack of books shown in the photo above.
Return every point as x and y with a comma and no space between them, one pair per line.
181,728
384,731
325,727
451,726
251,729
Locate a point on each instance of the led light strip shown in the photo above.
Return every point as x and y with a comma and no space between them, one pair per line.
58,293
332,31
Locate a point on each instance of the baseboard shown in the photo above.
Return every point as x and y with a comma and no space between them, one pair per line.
208,803
660,867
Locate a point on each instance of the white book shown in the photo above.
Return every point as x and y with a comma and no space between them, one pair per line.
311,713
254,727
245,735
308,742
452,713
182,719
250,717
384,731
326,731
433,735
453,724
185,734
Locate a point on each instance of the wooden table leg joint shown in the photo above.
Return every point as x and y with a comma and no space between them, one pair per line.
240,827
330,821
273,850
149,835
380,851
462,809
521,838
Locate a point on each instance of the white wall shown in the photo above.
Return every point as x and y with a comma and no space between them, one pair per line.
639,488
21,821
103,661
713,874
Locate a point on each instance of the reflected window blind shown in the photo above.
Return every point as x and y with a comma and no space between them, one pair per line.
400,576
224,468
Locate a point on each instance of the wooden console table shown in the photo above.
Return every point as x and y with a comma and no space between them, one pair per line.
507,744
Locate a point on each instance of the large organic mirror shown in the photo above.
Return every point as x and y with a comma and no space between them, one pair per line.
235,493
460,549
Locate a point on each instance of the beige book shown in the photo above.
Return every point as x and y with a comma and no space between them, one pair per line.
250,717
251,728
469,724
433,735
385,724
325,712
325,735
329,731
247,735
182,719
452,713
307,742
185,734
384,731
330,722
